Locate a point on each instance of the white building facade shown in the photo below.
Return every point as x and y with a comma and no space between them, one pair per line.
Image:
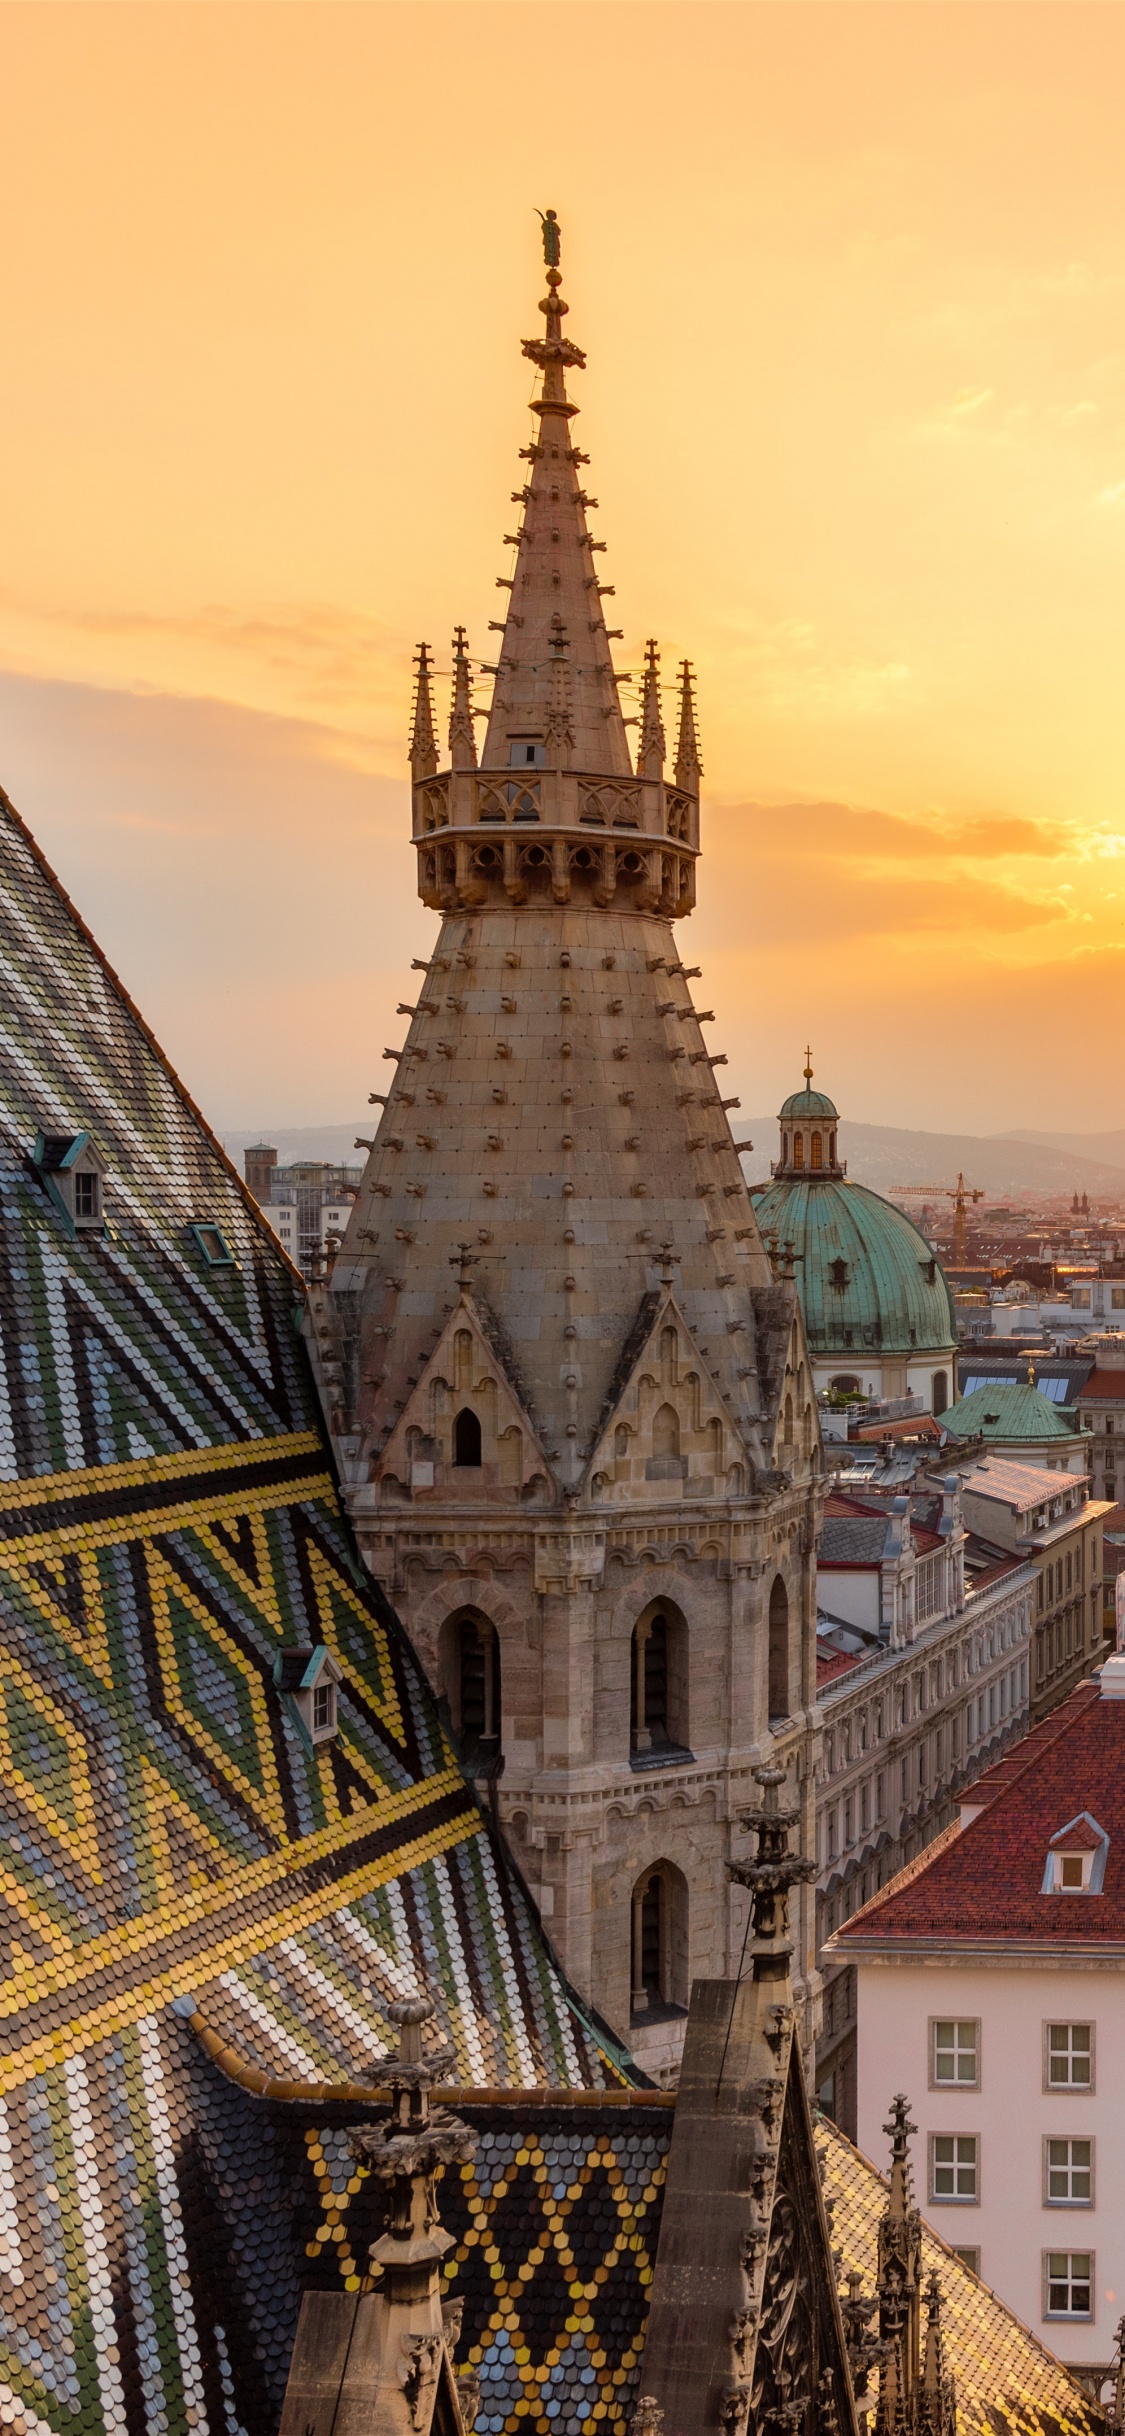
991,1988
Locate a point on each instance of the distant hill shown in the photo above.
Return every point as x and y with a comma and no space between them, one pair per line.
885,1155
879,1155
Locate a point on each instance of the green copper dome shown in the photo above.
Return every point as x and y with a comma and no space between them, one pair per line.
1014,1414
808,1104
867,1279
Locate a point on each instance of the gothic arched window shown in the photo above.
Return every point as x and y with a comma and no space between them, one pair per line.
778,1698
658,1684
666,1431
466,1438
660,1941
478,1660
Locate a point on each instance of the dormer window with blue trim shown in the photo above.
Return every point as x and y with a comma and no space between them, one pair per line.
72,1169
1076,1858
307,1681
211,1241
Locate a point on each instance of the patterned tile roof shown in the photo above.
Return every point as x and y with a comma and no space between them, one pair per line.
985,1884
1005,2378
169,1523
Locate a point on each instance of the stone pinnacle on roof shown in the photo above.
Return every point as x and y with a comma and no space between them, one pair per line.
423,740
651,750
689,768
555,575
462,741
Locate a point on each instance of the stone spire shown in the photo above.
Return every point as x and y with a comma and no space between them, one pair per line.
937,2414
555,574
423,741
462,741
559,731
650,753
900,2286
689,769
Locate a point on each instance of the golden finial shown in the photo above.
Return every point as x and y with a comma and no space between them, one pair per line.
1030,1372
808,1064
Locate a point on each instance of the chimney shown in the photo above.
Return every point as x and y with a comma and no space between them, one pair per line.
258,1162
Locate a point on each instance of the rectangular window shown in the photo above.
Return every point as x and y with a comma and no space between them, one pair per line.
954,2166
1068,2283
1039,1591
954,2054
324,1707
1069,2056
954,1738
1068,2173
864,1807
849,1822
881,1795
832,1835
904,1782
968,2258
86,1194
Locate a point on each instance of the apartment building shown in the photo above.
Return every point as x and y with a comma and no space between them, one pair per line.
922,1683
1016,1509
991,1989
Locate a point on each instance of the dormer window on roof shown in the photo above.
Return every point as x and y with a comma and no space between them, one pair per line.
73,1171
213,1244
307,1680
1076,1858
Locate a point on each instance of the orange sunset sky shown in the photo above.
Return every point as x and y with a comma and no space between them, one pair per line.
851,280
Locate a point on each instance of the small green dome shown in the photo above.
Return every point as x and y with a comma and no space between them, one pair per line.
867,1279
808,1104
1015,1413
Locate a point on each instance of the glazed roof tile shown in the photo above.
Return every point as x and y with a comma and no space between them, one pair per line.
169,1522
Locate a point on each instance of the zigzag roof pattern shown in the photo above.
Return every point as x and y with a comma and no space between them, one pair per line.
169,1522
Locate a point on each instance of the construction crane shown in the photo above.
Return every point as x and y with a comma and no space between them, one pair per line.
961,1194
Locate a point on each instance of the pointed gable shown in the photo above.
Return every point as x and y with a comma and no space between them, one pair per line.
465,1426
666,1430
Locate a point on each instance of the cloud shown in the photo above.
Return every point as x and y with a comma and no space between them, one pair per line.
970,401
1113,495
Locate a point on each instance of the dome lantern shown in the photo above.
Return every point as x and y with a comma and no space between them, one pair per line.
808,1122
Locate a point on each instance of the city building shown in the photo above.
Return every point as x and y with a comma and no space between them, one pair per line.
1016,1418
877,1309
991,1986
573,1406
923,1686
1056,1526
308,1204
1101,1412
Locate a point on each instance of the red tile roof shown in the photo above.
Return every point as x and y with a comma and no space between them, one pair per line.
1078,1837
984,1885
923,1425
1022,1754
836,1662
1103,1387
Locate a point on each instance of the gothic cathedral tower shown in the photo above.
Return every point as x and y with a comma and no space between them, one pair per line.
572,1402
